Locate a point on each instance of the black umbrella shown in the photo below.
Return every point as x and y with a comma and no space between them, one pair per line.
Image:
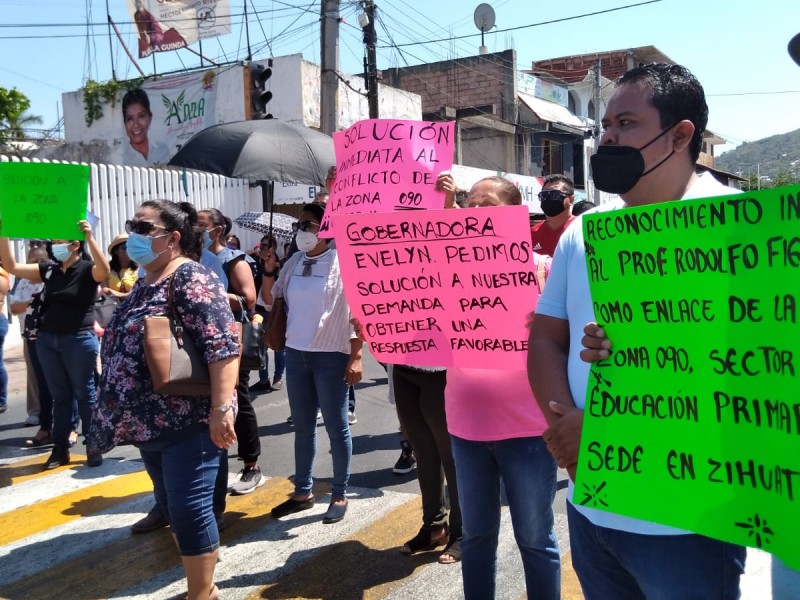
264,150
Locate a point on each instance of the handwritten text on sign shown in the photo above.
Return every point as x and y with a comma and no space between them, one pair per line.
384,165
43,200
694,420
441,287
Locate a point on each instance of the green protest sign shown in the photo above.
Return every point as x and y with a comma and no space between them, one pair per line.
694,419
43,200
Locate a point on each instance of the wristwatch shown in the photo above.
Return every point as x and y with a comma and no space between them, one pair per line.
223,408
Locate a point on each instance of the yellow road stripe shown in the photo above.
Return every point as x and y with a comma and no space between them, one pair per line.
137,558
31,468
27,520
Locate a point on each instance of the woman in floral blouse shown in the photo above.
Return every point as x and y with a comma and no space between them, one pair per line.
180,438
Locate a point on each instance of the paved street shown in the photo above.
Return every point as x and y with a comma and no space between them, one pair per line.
65,534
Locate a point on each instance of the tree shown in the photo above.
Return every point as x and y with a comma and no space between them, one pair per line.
14,117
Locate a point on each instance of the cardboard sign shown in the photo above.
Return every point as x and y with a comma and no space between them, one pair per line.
694,420
43,200
443,287
384,165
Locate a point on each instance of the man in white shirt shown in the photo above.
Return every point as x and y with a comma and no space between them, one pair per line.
652,134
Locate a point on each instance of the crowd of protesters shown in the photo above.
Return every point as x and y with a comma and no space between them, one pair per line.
469,431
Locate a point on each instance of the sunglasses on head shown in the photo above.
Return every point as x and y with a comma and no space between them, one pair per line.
303,225
553,195
141,227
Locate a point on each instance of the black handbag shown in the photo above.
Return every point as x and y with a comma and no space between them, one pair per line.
104,308
253,350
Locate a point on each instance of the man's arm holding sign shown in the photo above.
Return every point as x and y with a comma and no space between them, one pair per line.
548,348
596,346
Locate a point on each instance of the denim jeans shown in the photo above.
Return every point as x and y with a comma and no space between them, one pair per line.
3,372
45,399
631,566
528,473
183,467
69,362
280,367
316,380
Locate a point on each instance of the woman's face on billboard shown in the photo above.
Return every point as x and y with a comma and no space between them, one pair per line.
137,122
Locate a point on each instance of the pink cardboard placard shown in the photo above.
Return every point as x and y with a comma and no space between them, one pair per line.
384,165
441,287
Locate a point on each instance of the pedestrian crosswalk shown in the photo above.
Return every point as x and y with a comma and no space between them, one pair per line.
66,534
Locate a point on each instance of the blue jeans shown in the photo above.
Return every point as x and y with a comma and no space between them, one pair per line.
528,473
3,372
631,566
316,380
280,367
69,363
183,467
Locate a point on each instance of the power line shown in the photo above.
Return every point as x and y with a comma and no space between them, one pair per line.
562,20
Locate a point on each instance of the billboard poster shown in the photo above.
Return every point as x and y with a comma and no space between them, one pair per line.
159,117
166,25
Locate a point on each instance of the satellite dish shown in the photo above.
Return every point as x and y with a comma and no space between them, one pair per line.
484,20
794,47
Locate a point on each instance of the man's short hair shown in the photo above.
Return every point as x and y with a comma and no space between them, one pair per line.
506,188
676,94
581,207
556,178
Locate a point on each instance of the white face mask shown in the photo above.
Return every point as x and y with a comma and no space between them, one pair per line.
306,241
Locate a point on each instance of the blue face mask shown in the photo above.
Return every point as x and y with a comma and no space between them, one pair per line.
140,248
61,252
207,241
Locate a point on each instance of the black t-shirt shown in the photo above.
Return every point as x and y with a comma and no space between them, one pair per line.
68,298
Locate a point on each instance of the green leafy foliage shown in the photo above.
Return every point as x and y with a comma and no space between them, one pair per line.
97,94
13,114
776,159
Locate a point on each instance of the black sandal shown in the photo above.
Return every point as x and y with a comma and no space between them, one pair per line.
426,539
452,552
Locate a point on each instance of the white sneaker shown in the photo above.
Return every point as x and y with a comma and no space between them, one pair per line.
250,480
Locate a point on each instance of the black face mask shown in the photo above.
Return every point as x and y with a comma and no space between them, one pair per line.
551,205
617,169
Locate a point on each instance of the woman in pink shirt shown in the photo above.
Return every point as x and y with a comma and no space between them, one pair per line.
496,432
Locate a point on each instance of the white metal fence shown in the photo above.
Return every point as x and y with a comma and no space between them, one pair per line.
115,192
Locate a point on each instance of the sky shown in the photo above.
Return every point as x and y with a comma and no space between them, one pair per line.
736,48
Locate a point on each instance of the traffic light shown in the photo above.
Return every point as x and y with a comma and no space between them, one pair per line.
259,94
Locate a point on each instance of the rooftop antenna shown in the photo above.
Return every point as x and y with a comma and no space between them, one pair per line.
484,20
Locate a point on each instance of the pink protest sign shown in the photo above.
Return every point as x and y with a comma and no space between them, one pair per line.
441,287
384,165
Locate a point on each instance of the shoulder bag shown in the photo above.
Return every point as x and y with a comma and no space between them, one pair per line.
275,334
177,367
104,308
253,350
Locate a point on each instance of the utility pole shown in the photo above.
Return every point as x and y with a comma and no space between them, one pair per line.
597,119
329,51
370,58
110,44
